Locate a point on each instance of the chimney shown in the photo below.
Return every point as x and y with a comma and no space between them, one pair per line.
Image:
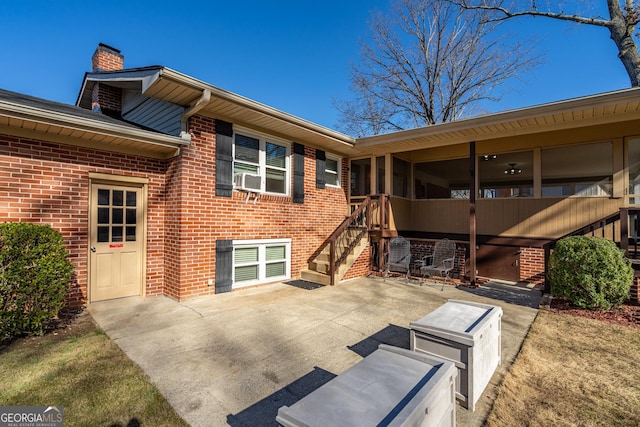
106,99
107,58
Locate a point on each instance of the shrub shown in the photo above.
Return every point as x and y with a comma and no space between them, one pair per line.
591,272
34,278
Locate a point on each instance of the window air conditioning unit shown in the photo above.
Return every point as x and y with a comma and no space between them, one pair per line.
249,182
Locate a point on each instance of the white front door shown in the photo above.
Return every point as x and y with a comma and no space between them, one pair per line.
116,240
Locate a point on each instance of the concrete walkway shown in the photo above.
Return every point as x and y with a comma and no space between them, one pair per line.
234,359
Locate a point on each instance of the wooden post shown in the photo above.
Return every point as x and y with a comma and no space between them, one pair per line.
472,213
547,254
624,230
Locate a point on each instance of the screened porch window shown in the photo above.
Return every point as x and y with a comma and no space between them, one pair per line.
444,179
506,175
633,149
260,261
401,176
579,170
360,184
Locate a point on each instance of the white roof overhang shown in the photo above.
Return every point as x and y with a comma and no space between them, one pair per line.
607,108
177,88
59,126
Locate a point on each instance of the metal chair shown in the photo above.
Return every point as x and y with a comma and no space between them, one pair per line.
441,262
398,259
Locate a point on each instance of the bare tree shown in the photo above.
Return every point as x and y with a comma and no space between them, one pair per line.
624,15
428,62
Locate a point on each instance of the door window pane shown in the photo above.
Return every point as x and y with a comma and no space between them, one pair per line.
118,198
103,197
131,198
116,234
103,215
131,216
103,234
116,216
131,234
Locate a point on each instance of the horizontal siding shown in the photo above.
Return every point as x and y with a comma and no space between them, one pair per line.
152,113
519,217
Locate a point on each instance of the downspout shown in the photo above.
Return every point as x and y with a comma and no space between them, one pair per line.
192,110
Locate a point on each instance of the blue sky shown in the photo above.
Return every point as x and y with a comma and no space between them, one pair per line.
291,55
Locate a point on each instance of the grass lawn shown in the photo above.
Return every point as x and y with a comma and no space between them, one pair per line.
572,371
80,369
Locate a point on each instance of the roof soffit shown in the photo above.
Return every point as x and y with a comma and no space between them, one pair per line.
608,108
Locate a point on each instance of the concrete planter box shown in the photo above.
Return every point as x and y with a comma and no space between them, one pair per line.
468,334
390,387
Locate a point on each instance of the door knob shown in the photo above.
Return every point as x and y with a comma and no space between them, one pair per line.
93,248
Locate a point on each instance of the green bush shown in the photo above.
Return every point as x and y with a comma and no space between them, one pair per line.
34,278
591,272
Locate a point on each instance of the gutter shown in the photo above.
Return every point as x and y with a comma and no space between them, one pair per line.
256,106
197,106
43,116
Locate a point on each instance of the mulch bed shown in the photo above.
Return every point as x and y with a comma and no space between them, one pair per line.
627,314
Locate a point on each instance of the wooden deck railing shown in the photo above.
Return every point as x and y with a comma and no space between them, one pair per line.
370,215
621,237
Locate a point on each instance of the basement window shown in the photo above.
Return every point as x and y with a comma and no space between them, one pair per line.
261,261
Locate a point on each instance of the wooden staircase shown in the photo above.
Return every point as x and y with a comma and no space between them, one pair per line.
337,254
318,271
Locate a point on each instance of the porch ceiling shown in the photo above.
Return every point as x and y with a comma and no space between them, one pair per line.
607,108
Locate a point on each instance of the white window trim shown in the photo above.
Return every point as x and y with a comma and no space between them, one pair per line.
262,244
263,138
339,171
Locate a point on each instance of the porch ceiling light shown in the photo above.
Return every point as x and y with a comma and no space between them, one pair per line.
488,157
512,170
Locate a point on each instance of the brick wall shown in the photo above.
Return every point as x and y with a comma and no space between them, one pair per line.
532,265
106,58
361,267
107,98
196,218
48,183
421,248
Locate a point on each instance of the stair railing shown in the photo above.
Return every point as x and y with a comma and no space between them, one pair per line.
598,227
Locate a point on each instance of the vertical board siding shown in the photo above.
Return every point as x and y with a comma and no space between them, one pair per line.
518,217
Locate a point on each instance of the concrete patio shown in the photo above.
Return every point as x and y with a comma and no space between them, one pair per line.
234,359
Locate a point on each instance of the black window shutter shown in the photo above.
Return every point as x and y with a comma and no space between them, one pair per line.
224,266
320,169
298,173
224,159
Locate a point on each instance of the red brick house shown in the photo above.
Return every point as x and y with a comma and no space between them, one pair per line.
164,184
143,179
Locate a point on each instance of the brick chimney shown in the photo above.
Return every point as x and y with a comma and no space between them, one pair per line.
106,99
107,58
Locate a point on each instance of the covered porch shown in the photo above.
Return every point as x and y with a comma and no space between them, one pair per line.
506,186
